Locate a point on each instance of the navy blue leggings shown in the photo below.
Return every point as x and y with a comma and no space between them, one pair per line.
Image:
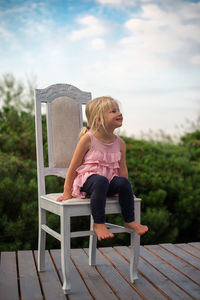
98,188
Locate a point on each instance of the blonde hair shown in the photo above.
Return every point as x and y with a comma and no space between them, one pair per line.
95,111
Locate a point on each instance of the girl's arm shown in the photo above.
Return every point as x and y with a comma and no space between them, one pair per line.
81,149
123,171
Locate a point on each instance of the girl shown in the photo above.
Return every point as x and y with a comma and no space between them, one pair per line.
98,167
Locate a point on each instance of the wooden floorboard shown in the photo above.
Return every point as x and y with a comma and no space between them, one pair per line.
82,292
157,278
190,249
166,271
120,285
179,264
186,289
28,277
196,245
189,258
49,279
143,286
93,279
8,276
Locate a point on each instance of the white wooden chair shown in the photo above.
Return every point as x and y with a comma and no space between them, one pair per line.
64,119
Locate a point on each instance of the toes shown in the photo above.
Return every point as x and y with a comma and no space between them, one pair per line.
105,236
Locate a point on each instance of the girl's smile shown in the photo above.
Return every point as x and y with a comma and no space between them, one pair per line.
113,118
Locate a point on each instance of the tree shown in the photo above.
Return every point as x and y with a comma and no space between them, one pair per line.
17,94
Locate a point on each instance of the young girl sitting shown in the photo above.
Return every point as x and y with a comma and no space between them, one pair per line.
98,167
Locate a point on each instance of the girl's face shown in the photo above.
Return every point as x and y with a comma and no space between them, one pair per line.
113,117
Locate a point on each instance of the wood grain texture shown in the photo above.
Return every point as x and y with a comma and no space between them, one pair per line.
163,274
94,281
189,258
28,277
82,291
143,286
120,285
181,265
8,276
51,284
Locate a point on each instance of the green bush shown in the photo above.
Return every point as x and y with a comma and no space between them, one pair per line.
167,178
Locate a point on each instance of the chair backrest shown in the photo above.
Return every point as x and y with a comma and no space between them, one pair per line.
63,122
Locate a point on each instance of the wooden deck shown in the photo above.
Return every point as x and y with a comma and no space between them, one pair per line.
165,271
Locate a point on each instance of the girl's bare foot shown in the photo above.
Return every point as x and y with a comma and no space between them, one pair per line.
102,232
138,228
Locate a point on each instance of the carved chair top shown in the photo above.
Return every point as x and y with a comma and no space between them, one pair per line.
58,90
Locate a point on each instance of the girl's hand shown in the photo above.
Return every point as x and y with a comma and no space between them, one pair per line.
64,197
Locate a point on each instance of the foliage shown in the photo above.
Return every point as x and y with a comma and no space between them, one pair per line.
164,174
17,94
167,178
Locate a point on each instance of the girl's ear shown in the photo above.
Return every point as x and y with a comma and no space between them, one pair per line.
97,120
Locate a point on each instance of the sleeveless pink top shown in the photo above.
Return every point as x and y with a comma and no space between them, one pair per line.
102,159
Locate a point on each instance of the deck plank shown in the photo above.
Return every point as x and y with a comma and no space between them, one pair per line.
78,288
92,278
118,283
50,282
28,278
182,254
188,286
179,264
158,279
190,249
195,244
142,284
8,276
166,271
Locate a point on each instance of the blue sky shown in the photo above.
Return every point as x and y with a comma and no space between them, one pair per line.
144,53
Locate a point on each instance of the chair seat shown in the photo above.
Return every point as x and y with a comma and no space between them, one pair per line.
74,201
112,206
77,201
49,203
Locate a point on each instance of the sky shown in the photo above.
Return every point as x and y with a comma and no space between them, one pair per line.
145,54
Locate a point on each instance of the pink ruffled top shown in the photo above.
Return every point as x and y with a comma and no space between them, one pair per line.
102,159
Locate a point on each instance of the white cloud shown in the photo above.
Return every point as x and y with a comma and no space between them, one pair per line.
91,27
38,29
5,34
98,44
163,37
190,11
195,60
118,3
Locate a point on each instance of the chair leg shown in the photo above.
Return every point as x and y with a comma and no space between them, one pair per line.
92,245
134,255
41,240
65,250
135,246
